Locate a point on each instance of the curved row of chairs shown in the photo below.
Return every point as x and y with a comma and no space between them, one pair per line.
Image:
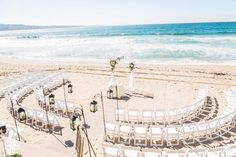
6,83
19,94
172,135
163,116
40,120
37,119
50,83
10,86
110,150
59,107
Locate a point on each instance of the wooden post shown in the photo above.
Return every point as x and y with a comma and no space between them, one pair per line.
117,106
103,117
80,139
82,148
65,96
85,131
79,143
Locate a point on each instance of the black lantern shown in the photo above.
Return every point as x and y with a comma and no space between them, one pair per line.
74,122
110,94
93,106
70,90
51,99
3,129
21,114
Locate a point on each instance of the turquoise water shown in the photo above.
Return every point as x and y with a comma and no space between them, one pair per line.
178,43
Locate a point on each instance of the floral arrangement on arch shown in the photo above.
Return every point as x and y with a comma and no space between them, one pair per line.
114,62
131,66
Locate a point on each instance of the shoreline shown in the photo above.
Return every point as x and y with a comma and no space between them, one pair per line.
81,62
223,75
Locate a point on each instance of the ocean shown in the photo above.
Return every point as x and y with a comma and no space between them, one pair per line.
192,43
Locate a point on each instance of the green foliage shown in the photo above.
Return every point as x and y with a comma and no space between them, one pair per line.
113,64
15,155
131,66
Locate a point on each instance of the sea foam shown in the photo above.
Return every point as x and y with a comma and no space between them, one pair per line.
199,43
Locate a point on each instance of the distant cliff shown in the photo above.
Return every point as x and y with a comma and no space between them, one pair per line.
5,27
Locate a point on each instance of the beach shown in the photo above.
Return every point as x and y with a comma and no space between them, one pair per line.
117,78
173,86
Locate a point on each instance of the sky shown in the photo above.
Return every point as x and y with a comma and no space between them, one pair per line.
115,12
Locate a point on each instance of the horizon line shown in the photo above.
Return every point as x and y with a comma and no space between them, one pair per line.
32,25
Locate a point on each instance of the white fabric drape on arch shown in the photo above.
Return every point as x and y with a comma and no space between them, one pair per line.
112,81
131,81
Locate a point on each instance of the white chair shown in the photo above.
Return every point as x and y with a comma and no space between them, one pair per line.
151,153
30,116
193,153
120,114
39,122
110,150
160,116
172,135
156,136
174,153
125,133
140,135
214,128
130,151
147,117
133,116
171,116
71,107
53,123
111,131
212,153
187,133
203,132
60,108
229,151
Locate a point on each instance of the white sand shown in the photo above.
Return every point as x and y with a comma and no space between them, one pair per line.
172,86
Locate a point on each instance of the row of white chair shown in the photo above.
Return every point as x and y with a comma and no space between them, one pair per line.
47,85
51,82
110,150
37,119
65,108
173,134
158,136
60,107
18,95
17,83
163,116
